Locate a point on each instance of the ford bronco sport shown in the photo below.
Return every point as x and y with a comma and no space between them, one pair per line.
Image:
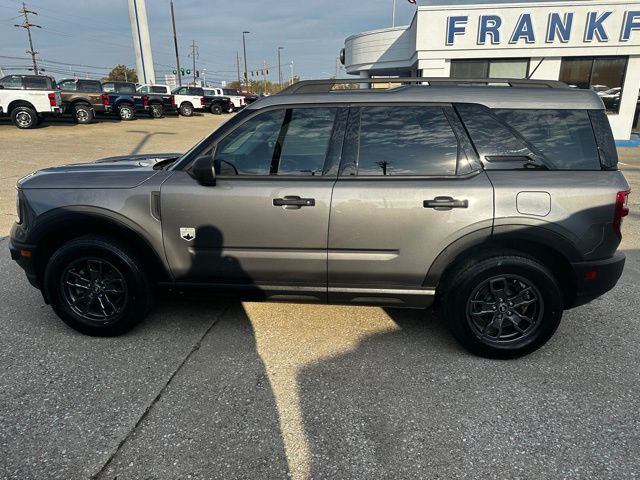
503,202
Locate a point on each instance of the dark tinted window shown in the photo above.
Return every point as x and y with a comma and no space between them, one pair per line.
564,137
125,88
156,89
304,148
249,149
36,83
604,75
196,91
229,91
490,136
89,86
406,141
11,82
69,85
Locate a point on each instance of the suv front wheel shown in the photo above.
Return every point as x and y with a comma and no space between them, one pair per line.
504,306
97,287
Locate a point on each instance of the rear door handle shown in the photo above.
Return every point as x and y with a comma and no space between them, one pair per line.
294,201
445,203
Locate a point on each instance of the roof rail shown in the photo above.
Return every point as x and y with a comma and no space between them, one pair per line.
325,86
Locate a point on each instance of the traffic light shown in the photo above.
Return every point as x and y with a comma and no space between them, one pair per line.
198,73
188,72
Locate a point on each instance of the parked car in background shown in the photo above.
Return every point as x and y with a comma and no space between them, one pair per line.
250,98
28,99
161,100
189,100
83,99
236,98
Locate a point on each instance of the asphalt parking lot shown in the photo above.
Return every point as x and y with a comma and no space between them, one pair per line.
206,389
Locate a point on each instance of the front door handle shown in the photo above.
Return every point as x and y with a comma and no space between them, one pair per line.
445,203
294,201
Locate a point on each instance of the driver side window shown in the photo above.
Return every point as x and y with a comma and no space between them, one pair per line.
278,142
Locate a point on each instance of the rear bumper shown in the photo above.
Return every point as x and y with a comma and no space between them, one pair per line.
596,278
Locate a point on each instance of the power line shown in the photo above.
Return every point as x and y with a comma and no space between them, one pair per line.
28,26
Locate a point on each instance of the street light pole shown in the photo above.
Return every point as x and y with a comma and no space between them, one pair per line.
393,15
280,67
175,44
244,47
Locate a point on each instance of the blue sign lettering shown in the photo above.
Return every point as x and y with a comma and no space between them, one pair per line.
595,27
456,26
489,25
559,27
524,29
631,22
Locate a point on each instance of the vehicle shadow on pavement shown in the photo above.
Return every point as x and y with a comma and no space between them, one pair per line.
411,403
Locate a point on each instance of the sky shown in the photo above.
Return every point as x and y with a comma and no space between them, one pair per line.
97,34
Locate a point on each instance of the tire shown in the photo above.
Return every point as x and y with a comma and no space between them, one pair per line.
97,286
24,117
479,315
126,112
156,111
231,109
216,109
186,109
83,114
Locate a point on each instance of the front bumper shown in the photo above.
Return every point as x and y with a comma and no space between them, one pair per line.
596,278
25,256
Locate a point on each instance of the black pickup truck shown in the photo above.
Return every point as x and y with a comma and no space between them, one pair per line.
127,102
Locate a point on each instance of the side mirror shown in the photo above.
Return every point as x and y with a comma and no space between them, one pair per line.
203,171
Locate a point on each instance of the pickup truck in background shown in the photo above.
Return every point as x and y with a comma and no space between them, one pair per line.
215,103
127,102
83,99
161,100
28,99
188,100
237,100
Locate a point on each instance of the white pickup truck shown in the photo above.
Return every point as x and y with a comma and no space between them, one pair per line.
237,99
27,99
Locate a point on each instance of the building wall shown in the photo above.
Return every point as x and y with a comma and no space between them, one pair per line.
541,30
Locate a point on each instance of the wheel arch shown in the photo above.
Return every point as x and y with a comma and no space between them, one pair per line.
550,248
59,226
20,103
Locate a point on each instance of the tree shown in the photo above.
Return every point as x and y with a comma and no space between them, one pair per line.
122,73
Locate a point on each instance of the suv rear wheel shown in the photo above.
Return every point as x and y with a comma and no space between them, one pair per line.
83,113
504,306
97,286
24,117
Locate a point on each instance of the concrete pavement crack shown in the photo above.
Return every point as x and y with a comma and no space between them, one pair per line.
196,346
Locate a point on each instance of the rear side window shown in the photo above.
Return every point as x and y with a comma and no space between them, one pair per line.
156,89
604,139
37,83
564,137
89,86
125,88
11,82
406,141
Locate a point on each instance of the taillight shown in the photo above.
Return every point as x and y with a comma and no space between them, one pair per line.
622,210
201,100
52,99
105,99
145,101
173,100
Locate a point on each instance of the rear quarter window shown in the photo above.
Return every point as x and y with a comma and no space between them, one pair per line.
89,86
564,137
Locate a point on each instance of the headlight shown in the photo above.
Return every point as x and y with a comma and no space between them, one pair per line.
18,207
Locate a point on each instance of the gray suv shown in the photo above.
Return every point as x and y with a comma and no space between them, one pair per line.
501,202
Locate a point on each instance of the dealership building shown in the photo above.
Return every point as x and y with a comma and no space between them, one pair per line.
587,44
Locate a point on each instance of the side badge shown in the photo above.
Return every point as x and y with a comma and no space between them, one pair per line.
188,234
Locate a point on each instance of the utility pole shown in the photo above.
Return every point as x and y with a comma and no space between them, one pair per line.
26,25
291,65
194,53
279,67
246,75
175,44
264,76
393,15
238,65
